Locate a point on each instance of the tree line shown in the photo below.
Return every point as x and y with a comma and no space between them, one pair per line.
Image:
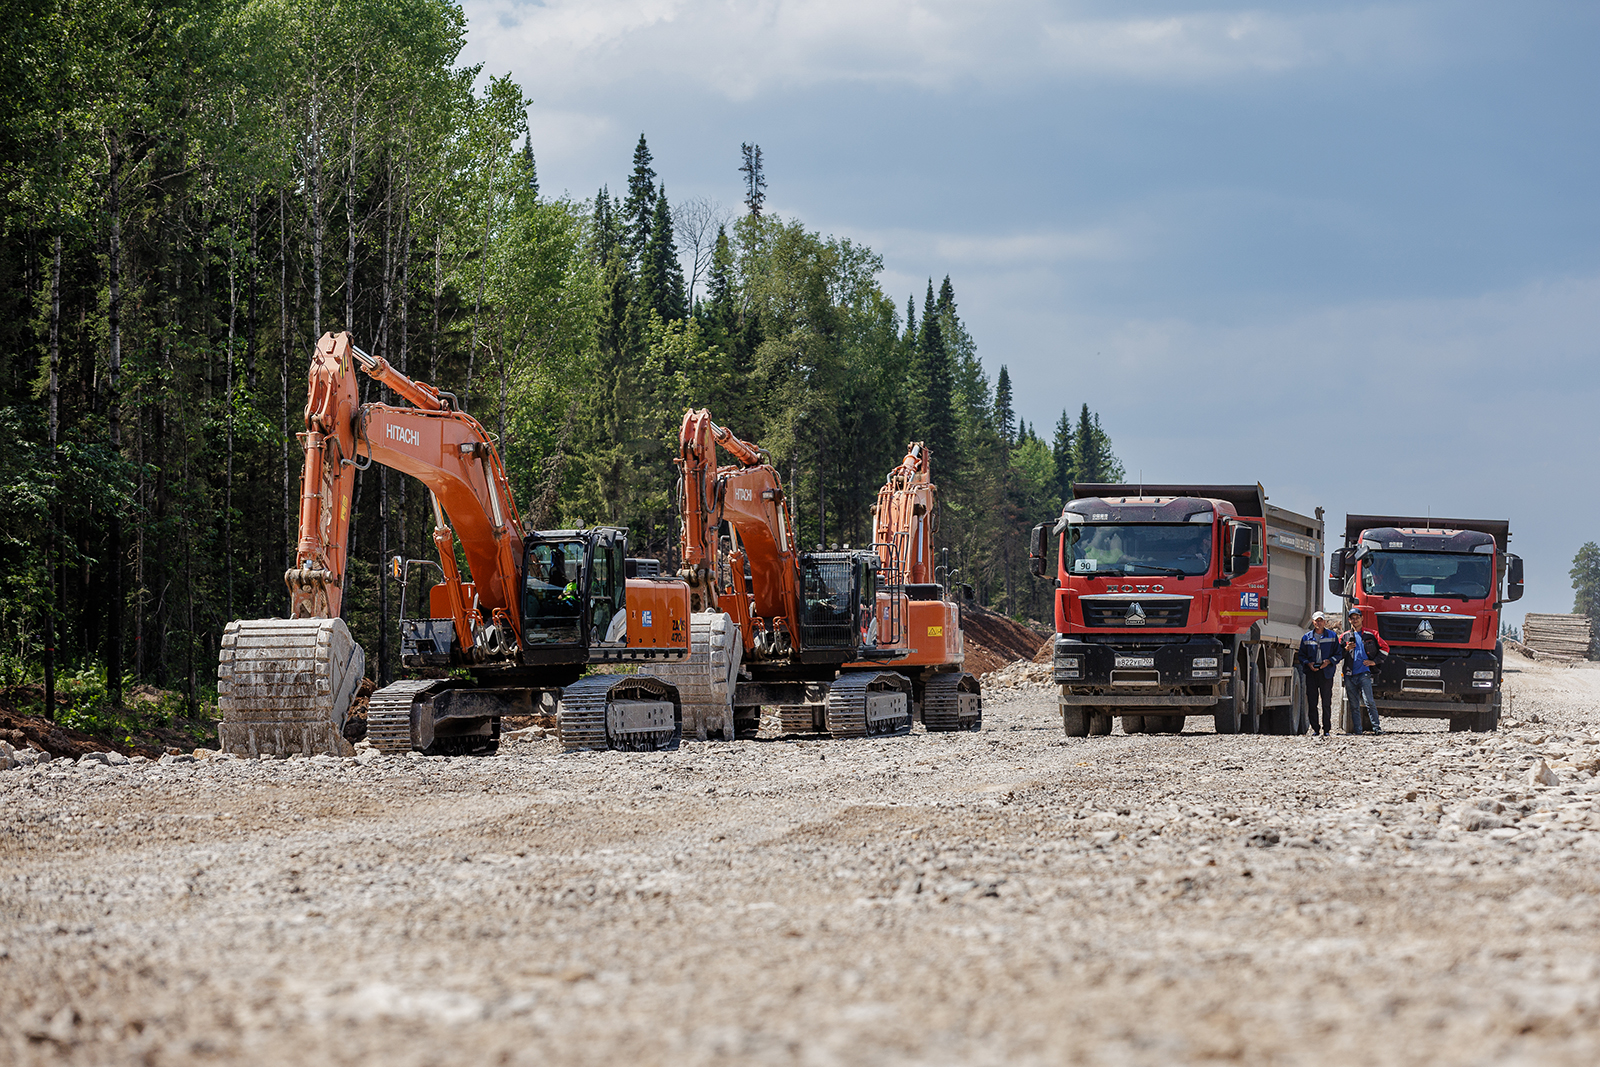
195,191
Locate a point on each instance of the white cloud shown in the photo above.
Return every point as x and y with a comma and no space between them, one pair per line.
738,50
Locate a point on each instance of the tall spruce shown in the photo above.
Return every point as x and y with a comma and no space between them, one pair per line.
1062,451
660,272
639,208
1004,416
755,179
530,172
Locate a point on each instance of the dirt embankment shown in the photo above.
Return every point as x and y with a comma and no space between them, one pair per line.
993,641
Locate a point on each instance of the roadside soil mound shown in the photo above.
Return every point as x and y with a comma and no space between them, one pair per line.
144,739
993,641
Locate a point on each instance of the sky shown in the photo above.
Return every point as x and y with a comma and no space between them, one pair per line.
1348,251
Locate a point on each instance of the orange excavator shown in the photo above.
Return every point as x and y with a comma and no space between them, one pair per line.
772,625
536,610
912,603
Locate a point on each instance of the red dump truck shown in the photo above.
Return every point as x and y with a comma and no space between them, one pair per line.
1433,590
1177,600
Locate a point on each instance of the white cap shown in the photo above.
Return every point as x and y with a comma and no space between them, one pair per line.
1315,615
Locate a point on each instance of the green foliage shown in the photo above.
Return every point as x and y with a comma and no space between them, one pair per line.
1585,576
278,168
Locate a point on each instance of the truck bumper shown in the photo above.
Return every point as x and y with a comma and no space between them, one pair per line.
1434,683
1141,675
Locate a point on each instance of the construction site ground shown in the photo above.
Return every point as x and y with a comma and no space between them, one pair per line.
1002,897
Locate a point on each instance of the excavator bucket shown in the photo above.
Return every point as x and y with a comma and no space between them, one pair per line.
706,677
285,685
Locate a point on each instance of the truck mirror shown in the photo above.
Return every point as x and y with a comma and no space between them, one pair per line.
1514,578
1336,586
1336,565
1238,548
1036,559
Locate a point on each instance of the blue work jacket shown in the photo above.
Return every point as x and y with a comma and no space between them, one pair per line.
1323,650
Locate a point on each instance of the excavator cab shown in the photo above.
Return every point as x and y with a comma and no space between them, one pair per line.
574,593
839,592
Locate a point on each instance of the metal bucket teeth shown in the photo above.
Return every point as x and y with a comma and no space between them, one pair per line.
284,686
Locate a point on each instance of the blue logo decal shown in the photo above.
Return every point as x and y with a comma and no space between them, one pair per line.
1250,601
647,621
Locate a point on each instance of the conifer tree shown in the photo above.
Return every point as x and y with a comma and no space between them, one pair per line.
639,208
1092,455
661,274
530,173
720,313
1063,453
1003,413
755,182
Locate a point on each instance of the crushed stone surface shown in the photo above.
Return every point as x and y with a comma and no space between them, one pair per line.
1003,897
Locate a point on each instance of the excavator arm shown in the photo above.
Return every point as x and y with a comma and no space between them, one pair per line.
736,515
445,449
904,519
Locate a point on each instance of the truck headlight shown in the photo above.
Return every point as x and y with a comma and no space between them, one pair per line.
1205,661
1479,676
1203,674
1068,661
1067,674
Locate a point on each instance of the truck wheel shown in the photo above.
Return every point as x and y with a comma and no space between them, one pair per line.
1461,723
1099,724
1488,721
1136,724
1250,721
1226,717
1297,701
1074,720
1170,724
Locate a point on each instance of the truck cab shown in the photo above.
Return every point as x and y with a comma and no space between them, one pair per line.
1176,600
1433,590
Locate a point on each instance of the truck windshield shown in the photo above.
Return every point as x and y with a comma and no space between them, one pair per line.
1427,574
1142,548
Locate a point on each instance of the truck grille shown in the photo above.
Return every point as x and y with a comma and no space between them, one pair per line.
1410,629
1115,613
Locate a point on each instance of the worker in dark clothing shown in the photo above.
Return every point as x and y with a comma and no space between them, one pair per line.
1319,654
1364,651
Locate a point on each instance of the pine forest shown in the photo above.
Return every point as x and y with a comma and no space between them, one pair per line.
195,191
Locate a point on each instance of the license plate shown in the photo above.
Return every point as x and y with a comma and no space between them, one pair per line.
1136,661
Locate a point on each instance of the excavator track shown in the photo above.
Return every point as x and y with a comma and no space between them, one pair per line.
632,712
868,702
952,701
389,717
706,677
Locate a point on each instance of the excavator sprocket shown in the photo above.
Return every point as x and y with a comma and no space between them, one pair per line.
706,677
951,701
868,702
285,685
390,719
623,711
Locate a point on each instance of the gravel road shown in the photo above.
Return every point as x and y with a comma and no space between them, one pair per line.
1005,897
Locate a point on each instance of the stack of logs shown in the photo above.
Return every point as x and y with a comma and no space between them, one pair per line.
1567,636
